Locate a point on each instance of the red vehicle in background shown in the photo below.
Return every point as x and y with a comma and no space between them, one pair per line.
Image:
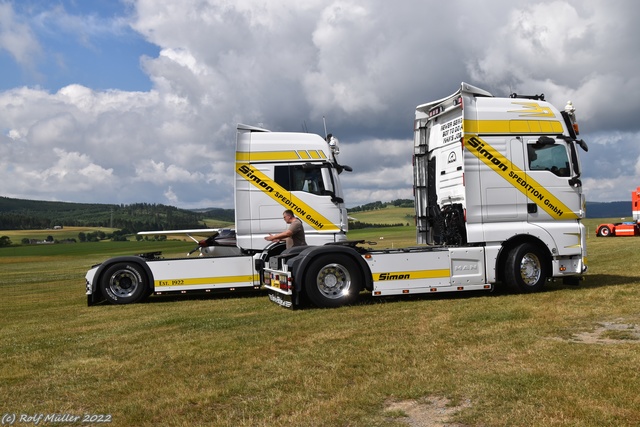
631,228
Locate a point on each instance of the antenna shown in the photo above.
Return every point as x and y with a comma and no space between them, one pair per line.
324,122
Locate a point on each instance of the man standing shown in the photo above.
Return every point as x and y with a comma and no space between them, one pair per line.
294,235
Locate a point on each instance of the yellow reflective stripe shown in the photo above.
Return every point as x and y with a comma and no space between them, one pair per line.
513,126
577,236
532,109
411,275
245,156
242,156
284,197
206,280
518,178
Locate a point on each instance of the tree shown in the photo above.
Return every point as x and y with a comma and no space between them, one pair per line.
5,241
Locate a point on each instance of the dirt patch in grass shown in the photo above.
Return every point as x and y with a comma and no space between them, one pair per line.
426,412
614,332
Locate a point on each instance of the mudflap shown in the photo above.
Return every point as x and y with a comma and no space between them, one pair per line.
282,300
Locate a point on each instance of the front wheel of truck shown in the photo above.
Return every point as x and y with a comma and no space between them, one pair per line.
526,269
124,283
332,281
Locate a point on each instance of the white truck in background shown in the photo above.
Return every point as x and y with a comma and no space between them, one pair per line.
498,199
274,171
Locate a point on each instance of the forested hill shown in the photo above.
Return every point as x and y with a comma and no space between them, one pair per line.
32,214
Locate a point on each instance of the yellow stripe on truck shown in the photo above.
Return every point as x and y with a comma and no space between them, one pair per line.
519,126
517,177
411,275
207,281
287,199
266,156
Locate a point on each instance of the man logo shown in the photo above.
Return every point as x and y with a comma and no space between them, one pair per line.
452,157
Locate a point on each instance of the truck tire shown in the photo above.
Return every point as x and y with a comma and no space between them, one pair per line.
525,269
332,281
604,231
124,283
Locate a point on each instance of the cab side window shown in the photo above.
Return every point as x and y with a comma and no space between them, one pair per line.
297,178
552,158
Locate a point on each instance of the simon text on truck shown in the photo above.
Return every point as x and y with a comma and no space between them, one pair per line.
498,199
274,171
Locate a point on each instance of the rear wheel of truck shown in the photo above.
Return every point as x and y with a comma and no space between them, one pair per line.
332,281
124,283
526,269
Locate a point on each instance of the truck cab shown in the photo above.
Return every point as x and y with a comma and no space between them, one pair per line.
492,170
277,171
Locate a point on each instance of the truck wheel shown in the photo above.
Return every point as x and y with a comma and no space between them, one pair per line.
604,231
124,283
525,270
332,282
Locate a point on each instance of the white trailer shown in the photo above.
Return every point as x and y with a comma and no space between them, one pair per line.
498,199
274,171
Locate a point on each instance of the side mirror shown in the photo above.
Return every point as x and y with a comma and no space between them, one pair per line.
583,145
341,168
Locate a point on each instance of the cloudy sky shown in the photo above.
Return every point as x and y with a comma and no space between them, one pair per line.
124,101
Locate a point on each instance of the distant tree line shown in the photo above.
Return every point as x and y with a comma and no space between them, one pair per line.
17,214
401,203
354,225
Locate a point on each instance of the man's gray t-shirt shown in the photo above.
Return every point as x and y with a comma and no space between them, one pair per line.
297,237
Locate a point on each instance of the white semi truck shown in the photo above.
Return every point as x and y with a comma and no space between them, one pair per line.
498,199
274,171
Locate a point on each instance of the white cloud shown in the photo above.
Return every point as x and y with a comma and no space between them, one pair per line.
17,38
362,65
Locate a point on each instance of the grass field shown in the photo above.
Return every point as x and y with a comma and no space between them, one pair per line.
565,357
388,215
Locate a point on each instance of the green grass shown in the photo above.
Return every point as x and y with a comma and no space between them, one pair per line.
387,215
243,361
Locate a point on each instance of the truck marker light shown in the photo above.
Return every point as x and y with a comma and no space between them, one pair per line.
433,290
405,291
435,111
460,288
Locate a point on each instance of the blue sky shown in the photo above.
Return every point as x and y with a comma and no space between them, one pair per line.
138,100
87,42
